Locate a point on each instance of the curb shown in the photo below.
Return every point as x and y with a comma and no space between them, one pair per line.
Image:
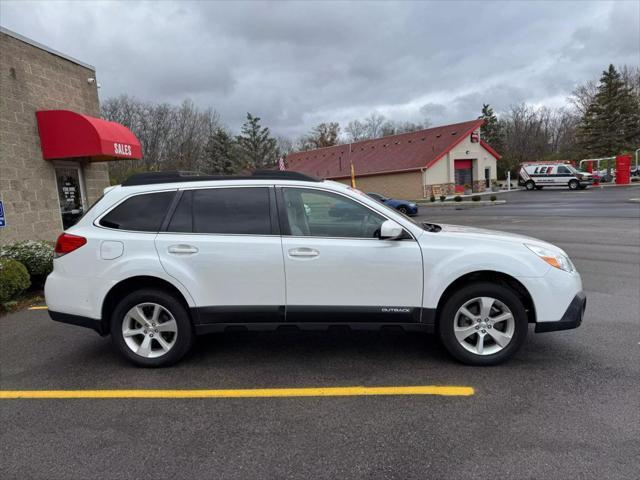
452,204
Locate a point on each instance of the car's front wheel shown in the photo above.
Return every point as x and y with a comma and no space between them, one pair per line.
151,328
574,184
483,324
402,209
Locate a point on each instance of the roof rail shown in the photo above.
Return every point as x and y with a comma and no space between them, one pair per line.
151,178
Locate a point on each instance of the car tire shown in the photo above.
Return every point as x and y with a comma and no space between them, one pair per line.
461,335
161,342
529,185
402,209
574,184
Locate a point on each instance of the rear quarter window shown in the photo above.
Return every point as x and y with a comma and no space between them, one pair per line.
140,213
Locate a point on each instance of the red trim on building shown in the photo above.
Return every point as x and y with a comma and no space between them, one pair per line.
488,148
462,164
67,134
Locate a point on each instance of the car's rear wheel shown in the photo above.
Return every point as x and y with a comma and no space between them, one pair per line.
574,184
151,328
529,185
483,324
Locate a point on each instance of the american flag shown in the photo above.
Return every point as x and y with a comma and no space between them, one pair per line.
281,165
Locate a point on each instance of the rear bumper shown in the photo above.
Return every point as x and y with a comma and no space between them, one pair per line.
78,320
572,317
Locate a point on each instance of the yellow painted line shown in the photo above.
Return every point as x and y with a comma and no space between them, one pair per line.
447,391
42,307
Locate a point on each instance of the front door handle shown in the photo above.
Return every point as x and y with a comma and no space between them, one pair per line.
303,252
183,249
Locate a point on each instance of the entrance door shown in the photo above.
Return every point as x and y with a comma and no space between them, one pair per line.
70,194
337,270
463,174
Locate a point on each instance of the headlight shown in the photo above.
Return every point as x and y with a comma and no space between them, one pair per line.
554,259
412,205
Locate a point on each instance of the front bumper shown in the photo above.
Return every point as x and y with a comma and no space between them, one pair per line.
572,317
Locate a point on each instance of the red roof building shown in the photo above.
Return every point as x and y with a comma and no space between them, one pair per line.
438,160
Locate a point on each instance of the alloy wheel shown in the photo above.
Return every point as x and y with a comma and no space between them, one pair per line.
149,330
484,325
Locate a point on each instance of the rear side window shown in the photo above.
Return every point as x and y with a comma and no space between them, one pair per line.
240,211
142,213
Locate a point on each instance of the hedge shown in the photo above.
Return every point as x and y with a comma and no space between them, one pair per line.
37,256
14,279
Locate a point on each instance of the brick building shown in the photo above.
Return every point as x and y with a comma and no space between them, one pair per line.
440,160
53,148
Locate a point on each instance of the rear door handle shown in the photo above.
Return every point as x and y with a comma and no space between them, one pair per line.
183,249
303,252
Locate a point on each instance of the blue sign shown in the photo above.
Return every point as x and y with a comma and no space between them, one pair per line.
3,223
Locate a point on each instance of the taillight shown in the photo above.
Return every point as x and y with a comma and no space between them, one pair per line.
67,243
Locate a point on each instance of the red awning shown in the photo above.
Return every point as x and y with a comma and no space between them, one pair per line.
66,134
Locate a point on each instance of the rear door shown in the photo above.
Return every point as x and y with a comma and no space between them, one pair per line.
223,245
337,269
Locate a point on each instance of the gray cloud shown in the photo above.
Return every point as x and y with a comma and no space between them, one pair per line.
296,64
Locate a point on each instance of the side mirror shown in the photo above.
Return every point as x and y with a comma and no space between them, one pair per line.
390,230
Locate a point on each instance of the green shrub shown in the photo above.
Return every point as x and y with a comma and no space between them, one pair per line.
14,279
37,256
432,198
476,198
493,198
457,198
443,198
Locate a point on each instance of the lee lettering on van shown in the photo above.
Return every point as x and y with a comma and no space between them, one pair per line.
122,149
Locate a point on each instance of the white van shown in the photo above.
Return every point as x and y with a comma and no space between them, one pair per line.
538,175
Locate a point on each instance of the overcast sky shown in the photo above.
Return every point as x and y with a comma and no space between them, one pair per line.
298,64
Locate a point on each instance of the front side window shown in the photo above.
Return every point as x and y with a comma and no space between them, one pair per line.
141,213
240,211
313,213
563,169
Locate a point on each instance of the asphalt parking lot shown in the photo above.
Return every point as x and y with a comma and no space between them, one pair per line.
567,406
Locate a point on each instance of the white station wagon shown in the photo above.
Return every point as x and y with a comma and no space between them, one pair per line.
165,256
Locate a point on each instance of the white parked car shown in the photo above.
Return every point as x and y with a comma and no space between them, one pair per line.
165,256
539,175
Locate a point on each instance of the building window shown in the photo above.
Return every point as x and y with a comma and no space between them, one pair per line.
70,194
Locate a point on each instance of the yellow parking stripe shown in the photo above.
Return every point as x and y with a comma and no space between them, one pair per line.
448,391
40,307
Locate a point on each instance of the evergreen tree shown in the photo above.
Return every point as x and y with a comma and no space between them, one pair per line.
611,123
221,153
256,146
490,130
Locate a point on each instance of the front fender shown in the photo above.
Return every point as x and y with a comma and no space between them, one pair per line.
442,268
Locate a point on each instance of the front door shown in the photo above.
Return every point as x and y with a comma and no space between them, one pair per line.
70,194
463,174
337,270
222,244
